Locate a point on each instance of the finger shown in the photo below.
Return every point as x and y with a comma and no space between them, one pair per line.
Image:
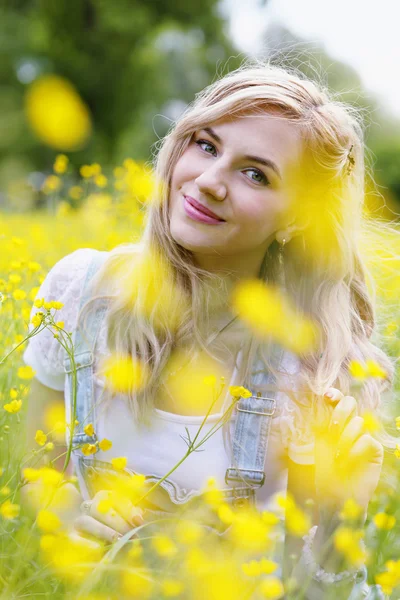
90,526
128,511
352,431
345,409
75,537
367,448
102,510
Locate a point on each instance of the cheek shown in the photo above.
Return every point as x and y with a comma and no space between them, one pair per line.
183,171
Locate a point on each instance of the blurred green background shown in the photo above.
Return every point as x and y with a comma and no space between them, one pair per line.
136,65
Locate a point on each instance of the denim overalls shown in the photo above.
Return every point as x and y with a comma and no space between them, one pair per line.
251,432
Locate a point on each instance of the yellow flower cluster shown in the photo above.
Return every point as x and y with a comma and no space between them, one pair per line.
267,312
370,369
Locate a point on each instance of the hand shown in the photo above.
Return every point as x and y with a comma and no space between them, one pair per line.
348,461
107,525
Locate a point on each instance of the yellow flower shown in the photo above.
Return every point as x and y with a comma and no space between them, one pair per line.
123,374
172,588
101,180
164,546
57,114
48,521
119,463
5,491
375,370
49,447
371,423
398,423
137,583
37,319
75,192
40,437
39,302
19,294
351,510
60,164
268,313
391,578
397,451
272,588
188,532
347,541
88,449
31,474
26,372
384,521
13,393
105,444
13,407
86,171
357,370
52,183
88,429
8,510
239,391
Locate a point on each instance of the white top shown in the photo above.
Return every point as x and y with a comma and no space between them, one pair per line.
156,449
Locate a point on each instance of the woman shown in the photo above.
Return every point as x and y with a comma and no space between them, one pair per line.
261,178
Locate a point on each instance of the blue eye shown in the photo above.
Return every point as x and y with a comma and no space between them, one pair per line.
200,142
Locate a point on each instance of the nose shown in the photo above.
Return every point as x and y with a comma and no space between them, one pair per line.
210,182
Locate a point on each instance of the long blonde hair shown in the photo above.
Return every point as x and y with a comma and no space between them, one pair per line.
330,285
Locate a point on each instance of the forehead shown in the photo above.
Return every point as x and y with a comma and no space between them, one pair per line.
269,135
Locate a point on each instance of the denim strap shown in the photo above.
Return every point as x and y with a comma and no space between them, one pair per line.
84,346
252,427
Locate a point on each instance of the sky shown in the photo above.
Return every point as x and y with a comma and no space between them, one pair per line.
362,33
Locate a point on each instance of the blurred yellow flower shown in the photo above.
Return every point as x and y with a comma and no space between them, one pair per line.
371,422
88,429
164,546
8,510
75,192
374,369
188,532
238,391
52,183
384,521
272,588
265,310
347,541
13,407
57,114
357,370
88,449
19,294
397,451
60,164
351,510
26,372
54,420
48,521
170,588
119,463
40,437
105,444
123,374
390,578
5,491
101,180
137,583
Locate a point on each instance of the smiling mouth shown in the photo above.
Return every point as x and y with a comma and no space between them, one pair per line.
202,209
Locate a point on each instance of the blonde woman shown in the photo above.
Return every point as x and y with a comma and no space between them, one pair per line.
261,178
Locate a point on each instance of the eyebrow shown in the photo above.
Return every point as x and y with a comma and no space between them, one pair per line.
262,161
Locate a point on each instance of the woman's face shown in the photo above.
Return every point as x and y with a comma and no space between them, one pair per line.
241,170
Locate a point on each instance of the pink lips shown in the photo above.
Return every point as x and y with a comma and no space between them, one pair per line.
198,212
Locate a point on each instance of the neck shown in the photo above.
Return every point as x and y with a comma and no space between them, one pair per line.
232,267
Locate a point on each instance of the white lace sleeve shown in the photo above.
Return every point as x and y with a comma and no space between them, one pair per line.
295,419
64,283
